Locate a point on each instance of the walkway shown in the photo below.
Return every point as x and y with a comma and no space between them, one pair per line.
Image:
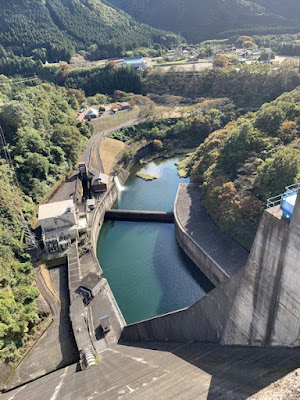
194,219
167,371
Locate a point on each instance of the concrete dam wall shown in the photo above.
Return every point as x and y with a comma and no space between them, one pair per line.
258,306
137,215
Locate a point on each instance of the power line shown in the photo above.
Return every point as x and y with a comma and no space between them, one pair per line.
23,80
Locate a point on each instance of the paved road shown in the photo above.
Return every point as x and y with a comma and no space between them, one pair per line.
68,188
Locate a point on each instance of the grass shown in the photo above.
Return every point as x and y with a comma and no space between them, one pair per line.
113,121
146,177
170,64
110,149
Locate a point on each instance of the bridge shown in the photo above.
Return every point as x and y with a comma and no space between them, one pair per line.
137,215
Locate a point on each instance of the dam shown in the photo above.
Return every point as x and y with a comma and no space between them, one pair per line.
240,337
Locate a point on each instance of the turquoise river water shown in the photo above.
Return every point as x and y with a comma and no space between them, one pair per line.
147,271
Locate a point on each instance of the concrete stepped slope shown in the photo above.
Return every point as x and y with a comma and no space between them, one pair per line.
167,371
258,306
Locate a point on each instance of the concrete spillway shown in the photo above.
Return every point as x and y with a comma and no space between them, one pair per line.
136,215
167,371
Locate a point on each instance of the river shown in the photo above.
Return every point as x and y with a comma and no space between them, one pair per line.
147,271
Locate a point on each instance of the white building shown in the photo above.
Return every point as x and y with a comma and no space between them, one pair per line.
93,113
59,225
136,62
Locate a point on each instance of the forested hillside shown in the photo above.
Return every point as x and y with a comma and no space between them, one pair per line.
54,30
248,161
247,86
198,20
286,8
44,140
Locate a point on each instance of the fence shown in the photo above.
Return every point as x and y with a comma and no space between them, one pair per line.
289,191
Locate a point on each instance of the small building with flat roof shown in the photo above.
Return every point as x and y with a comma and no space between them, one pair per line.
90,286
100,183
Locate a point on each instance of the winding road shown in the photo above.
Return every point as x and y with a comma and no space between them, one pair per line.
66,191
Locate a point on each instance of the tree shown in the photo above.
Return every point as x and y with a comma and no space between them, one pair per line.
242,141
277,172
264,56
269,119
157,144
221,62
249,45
288,131
244,38
34,166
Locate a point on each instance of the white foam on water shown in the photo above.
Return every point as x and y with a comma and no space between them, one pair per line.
119,186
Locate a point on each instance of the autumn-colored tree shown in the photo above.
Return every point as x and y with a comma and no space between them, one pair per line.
245,38
221,62
288,131
157,144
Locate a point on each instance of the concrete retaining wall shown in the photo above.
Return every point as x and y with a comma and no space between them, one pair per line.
109,198
208,266
258,306
106,203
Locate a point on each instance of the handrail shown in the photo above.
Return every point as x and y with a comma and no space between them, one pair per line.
289,191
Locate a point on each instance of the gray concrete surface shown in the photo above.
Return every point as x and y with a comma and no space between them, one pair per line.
257,306
215,253
101,305
77,309
57,347
137,215
166,371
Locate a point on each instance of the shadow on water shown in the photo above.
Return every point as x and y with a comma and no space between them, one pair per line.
181,281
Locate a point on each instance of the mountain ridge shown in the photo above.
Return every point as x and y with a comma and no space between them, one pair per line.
199,20
63,27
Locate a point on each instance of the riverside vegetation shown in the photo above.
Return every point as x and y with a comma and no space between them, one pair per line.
246,162
240,162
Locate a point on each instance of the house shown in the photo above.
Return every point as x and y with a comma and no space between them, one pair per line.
100,183
90,286
58,222
136,62
124,105
80,117
92,113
